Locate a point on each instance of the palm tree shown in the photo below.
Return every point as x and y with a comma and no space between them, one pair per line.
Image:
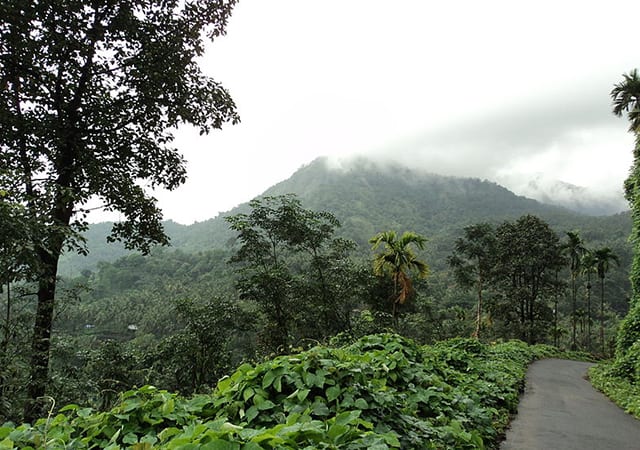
396,261
574,249
588,266
602,257
626,98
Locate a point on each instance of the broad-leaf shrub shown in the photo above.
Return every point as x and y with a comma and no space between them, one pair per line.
381,392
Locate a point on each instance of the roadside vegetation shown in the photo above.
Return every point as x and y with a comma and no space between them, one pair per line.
619,378
382,391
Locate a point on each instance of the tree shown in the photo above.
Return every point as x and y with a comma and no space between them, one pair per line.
288,259
626,98
199,354
89,94
574,249
396,261
603,257
588,266
472,261
527,256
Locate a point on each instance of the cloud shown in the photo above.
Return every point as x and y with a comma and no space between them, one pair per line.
570,136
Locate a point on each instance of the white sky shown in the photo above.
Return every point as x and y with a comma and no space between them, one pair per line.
492,89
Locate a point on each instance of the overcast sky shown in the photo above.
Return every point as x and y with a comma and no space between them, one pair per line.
503,90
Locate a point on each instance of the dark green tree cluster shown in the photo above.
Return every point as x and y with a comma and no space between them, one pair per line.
516,261
522,265
295,269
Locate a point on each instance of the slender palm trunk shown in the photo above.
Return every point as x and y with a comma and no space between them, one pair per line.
573,311
4,346
602,315
394,301
476,333
555,313
588,312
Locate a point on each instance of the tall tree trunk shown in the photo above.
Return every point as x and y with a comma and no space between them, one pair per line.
41,340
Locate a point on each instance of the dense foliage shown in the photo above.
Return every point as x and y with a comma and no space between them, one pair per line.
291,264
90,93
380,392
620,378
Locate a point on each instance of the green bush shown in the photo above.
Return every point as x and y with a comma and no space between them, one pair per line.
620,389
383,391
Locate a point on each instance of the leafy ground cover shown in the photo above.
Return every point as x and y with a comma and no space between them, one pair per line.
381,392
622,390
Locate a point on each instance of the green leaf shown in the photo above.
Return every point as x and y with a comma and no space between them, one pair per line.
168,407
333,393
277,384
130,438
391,439
302,394
361,404
251,413
247,393
347,417
251,446
268,379
168,433
220,444
336,430
320,409
267,404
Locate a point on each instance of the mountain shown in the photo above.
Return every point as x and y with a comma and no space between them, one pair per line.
567,195
369,197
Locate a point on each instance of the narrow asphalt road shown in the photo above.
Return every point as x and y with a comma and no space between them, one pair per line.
561,410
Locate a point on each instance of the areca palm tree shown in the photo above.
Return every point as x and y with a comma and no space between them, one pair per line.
588,266
626,98
574,249
397,260
603,257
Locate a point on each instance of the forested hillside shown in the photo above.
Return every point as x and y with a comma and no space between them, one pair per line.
285,271
367,197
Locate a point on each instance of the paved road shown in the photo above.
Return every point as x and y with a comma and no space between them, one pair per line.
561,410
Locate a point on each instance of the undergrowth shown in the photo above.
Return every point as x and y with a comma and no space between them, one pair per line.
621,390
381,392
